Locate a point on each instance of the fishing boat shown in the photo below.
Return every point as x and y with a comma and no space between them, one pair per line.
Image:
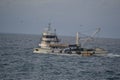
50,44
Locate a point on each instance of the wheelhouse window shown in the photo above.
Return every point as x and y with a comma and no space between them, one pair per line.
48,36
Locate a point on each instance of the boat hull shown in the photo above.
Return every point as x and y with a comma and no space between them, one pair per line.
96,52
42,50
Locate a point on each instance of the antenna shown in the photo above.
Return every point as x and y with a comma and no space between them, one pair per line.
49,26
55,31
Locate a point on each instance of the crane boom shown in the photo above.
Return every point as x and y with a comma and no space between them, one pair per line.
97,31
92,36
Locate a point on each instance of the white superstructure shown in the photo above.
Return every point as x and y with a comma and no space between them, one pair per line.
49,40
48,37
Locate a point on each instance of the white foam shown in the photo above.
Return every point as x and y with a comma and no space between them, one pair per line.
112,55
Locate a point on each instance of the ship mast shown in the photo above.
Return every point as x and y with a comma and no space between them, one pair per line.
77,39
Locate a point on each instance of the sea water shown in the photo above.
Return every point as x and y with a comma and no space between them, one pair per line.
18,62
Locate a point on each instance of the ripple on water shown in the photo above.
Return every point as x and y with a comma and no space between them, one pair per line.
17,62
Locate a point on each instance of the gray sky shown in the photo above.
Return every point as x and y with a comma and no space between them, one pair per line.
67,16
